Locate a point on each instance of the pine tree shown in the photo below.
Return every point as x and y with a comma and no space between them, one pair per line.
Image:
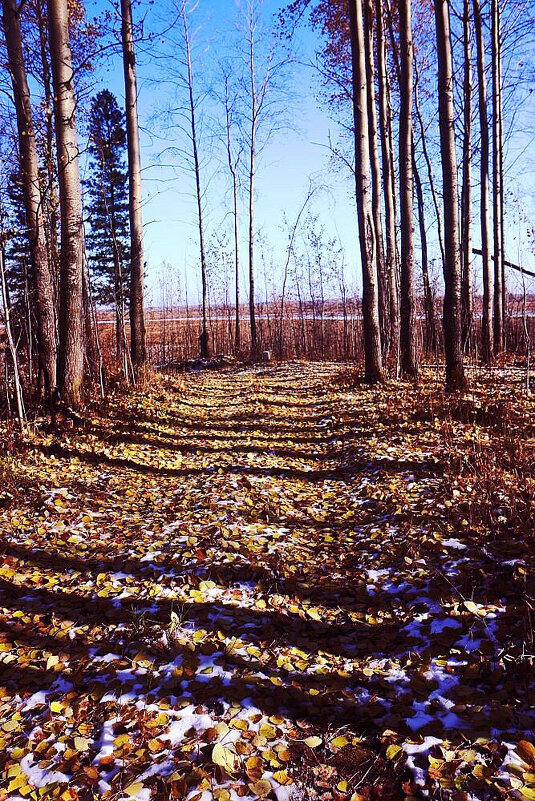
107,212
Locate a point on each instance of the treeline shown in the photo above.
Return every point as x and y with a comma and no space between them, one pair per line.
46,290
422,93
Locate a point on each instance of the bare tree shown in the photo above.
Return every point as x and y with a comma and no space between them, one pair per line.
266,65
192,113
12,347
409,366
389,186
234,156
429,306
373,364
466,193
71,351
29,167
137,307
383,288
487,335
497,178
455,378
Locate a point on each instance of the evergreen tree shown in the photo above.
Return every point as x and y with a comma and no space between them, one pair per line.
107,211
17,251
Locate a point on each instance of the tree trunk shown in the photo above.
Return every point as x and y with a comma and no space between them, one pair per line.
203,339
487,335
429,306
429,166
370,297
237,328
376,179
29,165
455,378
389,188
466,194
497,178
137,310
71,355
19,400
408,316
252,170
233,165
51,190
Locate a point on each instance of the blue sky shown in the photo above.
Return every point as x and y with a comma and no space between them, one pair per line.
295,156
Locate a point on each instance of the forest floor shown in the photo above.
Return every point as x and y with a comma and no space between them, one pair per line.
271,583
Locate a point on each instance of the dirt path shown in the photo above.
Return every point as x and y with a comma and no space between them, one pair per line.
255,584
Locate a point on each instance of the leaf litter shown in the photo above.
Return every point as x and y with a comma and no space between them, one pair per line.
270,583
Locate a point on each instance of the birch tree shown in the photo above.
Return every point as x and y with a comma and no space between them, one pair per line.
487,332
455,378
373,364
137,309
71,351
408,313
33,201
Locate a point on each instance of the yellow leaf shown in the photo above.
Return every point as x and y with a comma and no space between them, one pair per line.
526,751
392,751
261,788
254,767
155,745
18,782
81,743
339,742
313,742
528,792
267,731
342,786
224,757
282,777
472,607
133,789
239,723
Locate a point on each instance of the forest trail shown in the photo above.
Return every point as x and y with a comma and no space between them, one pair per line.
258,583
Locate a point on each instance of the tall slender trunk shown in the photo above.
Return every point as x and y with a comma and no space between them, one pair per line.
233,169
12,347
203,339
429,306
137,311
252,172
501,168
51,192
408,314
497,178
376,178
71,342
33,201
455,378
428,164
487,334
237,326
373,363
389,188
466,194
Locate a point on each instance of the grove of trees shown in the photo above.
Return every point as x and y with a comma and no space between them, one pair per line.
426,100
